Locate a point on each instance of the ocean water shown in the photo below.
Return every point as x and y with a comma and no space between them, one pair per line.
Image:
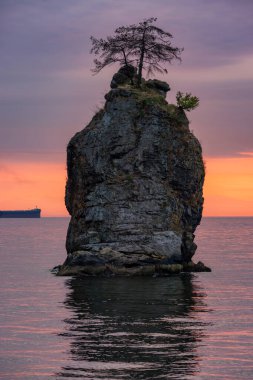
187,326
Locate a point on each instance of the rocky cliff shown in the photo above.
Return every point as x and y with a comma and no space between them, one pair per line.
134,188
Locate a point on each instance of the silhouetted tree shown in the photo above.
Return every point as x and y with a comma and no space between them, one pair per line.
113,49
145,46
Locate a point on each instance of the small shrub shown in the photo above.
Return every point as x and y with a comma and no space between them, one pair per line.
187,101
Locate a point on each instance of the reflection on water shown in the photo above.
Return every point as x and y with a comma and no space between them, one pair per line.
141,328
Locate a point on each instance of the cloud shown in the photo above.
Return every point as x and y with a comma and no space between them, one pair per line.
11,175
239,69
246,154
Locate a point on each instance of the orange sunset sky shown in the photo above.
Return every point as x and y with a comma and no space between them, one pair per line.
48,93
228,187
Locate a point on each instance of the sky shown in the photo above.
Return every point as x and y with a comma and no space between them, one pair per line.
48,92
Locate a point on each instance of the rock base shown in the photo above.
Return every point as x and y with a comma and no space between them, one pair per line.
112,263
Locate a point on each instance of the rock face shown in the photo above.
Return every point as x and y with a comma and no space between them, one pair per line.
161,87
134,188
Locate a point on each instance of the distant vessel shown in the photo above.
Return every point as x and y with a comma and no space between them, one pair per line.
34,213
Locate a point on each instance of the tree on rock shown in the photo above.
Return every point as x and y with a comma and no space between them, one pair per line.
144,46
187,101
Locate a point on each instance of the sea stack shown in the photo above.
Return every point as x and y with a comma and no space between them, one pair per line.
134,187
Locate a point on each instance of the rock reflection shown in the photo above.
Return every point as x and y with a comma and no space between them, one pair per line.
141,328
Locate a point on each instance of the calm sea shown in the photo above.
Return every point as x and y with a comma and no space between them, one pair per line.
189,326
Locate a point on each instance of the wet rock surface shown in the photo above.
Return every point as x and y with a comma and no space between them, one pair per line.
134,188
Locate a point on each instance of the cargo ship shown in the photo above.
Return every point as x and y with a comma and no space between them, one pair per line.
34,213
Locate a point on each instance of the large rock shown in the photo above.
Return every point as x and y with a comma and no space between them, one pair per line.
125,75
159,86
134,189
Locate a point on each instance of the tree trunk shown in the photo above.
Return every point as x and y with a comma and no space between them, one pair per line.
139,76
125,59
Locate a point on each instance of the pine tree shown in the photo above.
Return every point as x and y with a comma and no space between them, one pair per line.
144,46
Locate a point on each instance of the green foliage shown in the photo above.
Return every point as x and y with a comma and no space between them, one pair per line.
187,101
153,100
